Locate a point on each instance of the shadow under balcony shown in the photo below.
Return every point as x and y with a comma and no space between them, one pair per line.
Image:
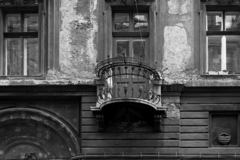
128,85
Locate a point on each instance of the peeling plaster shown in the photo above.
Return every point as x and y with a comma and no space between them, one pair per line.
177,51
79,28
178,6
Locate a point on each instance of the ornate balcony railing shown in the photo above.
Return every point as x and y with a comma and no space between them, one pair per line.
130,80
112,67
126,77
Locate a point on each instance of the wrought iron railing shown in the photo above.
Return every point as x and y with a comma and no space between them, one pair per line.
128,78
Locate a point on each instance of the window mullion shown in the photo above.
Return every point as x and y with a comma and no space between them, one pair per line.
131,47
207,54
6,58
224,54
25,56
223,21
131,22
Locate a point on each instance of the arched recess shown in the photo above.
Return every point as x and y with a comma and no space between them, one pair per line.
28,130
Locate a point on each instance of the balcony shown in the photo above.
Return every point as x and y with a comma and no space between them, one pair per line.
131,84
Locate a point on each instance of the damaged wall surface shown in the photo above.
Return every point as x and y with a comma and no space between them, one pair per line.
53,115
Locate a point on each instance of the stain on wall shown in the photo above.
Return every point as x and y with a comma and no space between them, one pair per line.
78,31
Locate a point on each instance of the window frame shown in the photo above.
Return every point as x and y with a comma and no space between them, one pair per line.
21,35
211,114
130,35
49,31
204,34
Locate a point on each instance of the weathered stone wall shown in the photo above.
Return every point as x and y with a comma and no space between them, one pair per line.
79,46
77,38
178,47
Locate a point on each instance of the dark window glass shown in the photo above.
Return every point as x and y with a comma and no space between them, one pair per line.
121,22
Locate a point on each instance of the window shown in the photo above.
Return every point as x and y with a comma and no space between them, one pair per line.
130,26
29,37
221,24
223,37
224,128
21,56
130,33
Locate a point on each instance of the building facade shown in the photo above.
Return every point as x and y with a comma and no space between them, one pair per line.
119,79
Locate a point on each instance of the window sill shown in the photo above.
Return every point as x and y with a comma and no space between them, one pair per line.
22,77
221,75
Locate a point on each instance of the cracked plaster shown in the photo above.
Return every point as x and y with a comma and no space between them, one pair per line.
178,6
177,51
78,51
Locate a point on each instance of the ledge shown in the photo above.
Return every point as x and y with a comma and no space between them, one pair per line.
214,83
38,82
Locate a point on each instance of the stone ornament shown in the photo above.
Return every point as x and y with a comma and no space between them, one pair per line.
224,138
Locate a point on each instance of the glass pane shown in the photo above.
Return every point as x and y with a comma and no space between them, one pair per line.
122,48
121,22
232,21
214,21
13,23
139,49
33,56
14,57
30,23
140,22
214,53
233,56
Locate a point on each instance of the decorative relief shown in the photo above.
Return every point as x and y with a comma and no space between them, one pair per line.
224,138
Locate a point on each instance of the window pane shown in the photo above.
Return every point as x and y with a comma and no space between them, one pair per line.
122,48
214,53
140,22
214,21
13,23
232,21
14,57
33,56
30,23
121,22
233,56
139,49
